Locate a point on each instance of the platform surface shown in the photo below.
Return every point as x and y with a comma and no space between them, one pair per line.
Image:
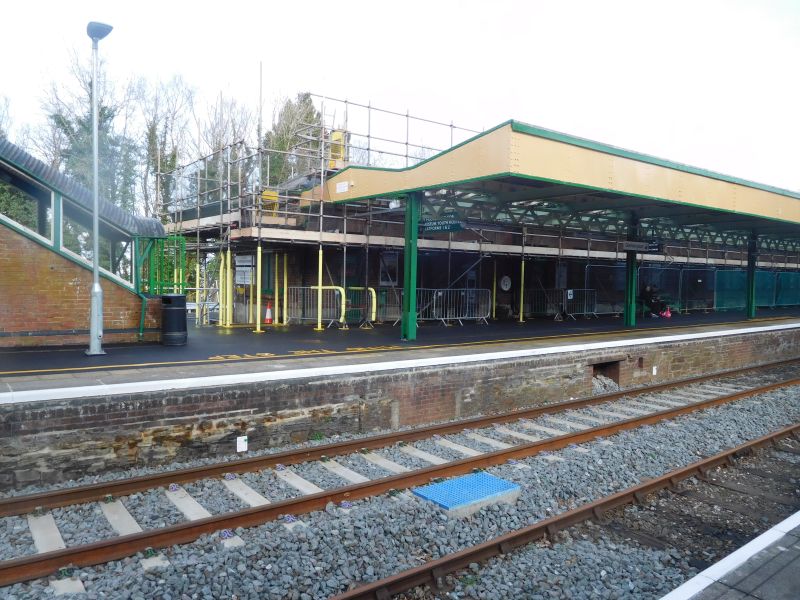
213,351
767,568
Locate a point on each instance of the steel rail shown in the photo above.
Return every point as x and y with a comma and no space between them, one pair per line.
18,505
432,573
39,565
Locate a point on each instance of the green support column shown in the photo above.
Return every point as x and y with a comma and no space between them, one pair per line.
409,316
631,273
752,258
57,233
630,289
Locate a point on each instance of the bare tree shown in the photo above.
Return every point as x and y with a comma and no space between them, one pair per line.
165,110
5,117
226,122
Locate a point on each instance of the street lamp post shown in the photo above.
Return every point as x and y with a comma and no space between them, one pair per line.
96,31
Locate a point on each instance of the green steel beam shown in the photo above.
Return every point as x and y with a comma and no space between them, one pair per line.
57,222
631,271
752,257
409,316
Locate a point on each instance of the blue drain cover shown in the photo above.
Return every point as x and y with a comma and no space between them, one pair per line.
464,490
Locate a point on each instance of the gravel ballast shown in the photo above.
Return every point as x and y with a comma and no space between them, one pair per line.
17,539
214,496
82,524
268,485
579,565
152,509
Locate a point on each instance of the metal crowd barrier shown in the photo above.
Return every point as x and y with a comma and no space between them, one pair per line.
389,304
303,304
361,306
560,303
543,303
460,304
580,302
445,305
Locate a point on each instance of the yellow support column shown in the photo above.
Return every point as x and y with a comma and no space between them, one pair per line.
205,294
250,302
494,288
197,303
223,278
521,291
285,292
319,291
277,319
258,290
229,295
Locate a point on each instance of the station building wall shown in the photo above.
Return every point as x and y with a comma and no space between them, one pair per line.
44,299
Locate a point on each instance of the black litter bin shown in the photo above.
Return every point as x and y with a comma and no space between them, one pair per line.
173,319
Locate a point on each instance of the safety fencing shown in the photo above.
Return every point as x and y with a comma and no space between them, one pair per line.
458,304
543,303
204,305
443,305
303,305
361,306
667,280
693,289
730,290
560,303
608,281
697,290
787,289
389,304
580,302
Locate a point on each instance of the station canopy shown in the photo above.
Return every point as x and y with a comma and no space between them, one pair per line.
520,175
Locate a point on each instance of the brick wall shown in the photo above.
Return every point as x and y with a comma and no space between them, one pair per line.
57,440
44,299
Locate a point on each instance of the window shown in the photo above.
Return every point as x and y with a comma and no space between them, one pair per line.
25,203
116,251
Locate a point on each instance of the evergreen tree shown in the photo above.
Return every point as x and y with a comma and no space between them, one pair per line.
295,116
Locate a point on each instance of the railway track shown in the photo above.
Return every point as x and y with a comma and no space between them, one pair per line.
296,479
704,511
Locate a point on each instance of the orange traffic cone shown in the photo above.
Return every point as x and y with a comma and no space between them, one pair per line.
268,315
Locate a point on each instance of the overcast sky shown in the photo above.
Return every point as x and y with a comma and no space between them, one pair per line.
710,83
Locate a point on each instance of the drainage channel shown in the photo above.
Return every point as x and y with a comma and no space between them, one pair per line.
649,409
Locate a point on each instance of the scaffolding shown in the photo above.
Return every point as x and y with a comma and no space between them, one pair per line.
244,209
207,202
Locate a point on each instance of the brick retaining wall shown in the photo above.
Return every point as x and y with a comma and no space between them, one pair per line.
56,440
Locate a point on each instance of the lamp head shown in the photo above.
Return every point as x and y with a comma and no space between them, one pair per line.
97,31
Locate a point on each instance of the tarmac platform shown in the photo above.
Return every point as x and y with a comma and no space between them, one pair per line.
237,351
767,568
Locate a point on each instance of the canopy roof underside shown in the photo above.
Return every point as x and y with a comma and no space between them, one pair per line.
519,175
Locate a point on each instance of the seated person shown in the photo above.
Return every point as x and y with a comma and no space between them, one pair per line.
658,307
